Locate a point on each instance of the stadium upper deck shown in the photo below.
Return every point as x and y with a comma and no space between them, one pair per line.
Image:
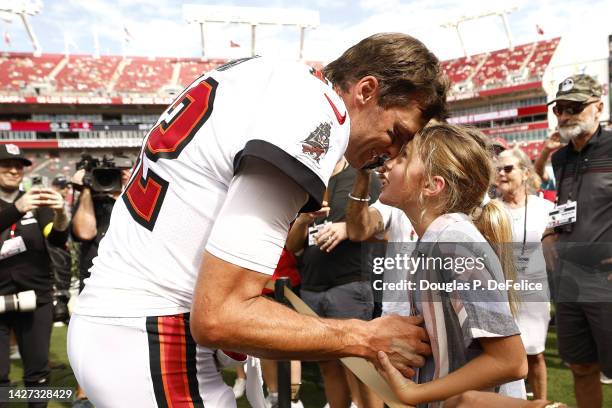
82,101
55,74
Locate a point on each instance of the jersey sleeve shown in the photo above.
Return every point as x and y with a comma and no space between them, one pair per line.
252,226
301,127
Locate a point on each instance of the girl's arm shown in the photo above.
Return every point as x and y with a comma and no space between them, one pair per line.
503,360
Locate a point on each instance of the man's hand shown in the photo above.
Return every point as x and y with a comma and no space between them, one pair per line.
48,197
77,178
28,201
402,339
330,236
309,218
553,142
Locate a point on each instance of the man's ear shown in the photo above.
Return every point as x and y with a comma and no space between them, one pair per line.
600,107
434,187
366,90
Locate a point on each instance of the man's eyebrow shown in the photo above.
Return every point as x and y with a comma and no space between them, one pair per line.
403,132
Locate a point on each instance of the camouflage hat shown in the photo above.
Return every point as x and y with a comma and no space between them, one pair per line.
578,88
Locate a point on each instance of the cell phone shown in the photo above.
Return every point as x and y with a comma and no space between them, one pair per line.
37,181
379,162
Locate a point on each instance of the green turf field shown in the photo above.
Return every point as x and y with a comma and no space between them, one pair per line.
559,377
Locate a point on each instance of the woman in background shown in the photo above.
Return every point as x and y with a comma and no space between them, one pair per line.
516,184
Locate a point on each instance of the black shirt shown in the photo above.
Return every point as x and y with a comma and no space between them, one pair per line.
103,207
321,270
29,270
586,177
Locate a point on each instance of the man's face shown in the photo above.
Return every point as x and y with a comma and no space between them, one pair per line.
578,123
376,131
11,174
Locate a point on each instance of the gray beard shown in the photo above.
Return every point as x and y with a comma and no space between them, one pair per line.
567,133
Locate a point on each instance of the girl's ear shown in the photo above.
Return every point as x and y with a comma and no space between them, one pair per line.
434,186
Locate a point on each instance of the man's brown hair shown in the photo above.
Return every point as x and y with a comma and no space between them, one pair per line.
405,69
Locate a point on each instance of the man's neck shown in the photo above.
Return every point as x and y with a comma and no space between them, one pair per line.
8,195
581,141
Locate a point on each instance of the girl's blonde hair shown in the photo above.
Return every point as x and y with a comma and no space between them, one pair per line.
462,157
533,180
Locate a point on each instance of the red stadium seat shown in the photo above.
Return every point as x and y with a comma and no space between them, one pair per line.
84,73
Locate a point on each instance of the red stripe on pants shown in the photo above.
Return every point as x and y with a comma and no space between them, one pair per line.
172,344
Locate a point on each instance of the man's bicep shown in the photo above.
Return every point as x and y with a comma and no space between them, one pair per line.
219,279
251,228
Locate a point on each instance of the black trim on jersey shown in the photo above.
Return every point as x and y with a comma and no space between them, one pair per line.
233,63
192,371
289,165
155,362
158,204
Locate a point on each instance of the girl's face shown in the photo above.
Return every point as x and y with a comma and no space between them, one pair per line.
404,176
510,176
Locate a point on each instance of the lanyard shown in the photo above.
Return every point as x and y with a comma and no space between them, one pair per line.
12,231
525,226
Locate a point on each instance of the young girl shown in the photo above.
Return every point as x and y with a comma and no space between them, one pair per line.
440,181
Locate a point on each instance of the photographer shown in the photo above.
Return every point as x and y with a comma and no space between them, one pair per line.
100,185
27,220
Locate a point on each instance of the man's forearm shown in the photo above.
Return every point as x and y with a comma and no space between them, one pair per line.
297,236
60,220
259,323
540,163
84,224
358,219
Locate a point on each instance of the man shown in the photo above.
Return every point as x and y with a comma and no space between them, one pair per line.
29,223
335,280
92,213
583,170
203,220
381,221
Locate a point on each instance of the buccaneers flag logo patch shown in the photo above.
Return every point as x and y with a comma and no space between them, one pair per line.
317,143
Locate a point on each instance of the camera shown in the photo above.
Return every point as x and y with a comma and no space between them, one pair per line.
18,302
101,175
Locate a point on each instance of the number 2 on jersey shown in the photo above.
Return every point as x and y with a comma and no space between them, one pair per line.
144,195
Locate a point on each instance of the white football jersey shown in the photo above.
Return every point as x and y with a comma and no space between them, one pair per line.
280,112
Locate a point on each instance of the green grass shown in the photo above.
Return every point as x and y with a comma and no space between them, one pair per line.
560,386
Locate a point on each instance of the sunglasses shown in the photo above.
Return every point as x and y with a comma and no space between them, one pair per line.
506,169
571,108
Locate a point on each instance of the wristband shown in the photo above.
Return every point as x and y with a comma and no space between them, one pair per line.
361,200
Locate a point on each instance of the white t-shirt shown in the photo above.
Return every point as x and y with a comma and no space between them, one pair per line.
530,262
192,189
397,224
401,238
